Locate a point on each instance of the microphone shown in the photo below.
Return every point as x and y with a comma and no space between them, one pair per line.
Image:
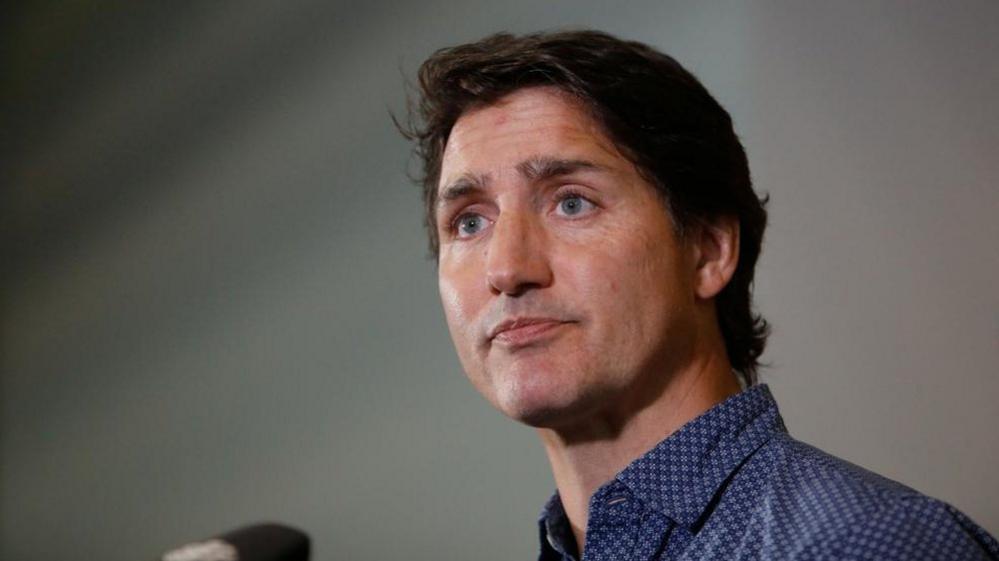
259,542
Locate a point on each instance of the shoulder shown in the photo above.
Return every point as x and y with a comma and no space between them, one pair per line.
918,527
812,504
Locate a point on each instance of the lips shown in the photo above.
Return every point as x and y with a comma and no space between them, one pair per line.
523,331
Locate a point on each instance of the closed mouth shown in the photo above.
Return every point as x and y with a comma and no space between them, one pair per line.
521,331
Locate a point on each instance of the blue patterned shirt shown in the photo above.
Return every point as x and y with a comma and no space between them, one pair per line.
732,484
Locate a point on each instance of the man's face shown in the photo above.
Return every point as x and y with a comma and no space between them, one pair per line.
565,288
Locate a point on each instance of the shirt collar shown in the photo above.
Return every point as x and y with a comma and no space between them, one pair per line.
557,542
681,475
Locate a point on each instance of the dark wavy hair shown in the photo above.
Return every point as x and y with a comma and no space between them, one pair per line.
655,111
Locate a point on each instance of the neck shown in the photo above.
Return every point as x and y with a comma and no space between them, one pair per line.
588,454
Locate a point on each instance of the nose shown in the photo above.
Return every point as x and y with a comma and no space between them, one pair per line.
517,259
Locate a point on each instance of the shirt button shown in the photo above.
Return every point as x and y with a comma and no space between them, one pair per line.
616,501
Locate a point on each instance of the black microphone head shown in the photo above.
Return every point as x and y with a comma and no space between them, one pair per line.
259,542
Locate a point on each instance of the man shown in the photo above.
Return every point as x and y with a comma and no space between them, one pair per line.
596,232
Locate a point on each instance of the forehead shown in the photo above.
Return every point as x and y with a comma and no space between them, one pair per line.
528,123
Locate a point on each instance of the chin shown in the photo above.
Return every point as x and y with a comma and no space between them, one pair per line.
545,407
538,416
542,392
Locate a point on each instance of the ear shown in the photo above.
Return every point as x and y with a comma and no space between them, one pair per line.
716,251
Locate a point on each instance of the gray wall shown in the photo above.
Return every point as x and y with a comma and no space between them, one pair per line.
217,307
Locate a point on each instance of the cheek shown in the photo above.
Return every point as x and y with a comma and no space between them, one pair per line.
630,285
450,300
462,305
456,314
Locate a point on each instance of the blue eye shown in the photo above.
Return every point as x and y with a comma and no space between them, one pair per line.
572,205
470,224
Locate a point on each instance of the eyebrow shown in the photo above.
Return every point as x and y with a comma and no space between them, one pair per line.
541,168
532,169
465,185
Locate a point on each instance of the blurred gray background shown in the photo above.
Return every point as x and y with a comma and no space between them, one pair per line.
217,306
